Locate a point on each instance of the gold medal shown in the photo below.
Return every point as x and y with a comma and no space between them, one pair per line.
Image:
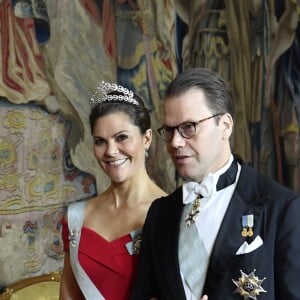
250,232
244,232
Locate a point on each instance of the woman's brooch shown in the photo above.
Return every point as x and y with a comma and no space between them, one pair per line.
133,247
73,236
136,245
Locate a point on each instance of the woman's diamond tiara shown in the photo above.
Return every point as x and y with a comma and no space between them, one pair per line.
100,94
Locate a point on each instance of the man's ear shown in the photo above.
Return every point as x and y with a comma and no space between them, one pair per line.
227,123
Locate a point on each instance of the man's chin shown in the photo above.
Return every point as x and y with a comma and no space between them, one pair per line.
187,177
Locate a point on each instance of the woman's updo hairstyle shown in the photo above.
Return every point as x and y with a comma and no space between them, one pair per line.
109,98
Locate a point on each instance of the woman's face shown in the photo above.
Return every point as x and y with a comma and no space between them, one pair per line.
119,146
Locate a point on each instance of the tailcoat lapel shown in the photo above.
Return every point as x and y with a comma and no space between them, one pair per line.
167,244
222,258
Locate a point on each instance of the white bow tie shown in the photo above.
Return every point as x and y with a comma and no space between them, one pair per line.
206,189
208,186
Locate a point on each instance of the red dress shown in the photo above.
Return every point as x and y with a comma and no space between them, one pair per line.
108,264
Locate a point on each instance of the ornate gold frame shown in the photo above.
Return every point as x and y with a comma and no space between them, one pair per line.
16,286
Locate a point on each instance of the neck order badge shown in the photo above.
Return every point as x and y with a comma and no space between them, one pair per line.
224,180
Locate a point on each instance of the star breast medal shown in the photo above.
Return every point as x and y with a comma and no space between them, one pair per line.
249,286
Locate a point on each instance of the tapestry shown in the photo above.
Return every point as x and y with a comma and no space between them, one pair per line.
37,181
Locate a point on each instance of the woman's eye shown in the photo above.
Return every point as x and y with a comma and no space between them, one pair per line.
99,142
121,137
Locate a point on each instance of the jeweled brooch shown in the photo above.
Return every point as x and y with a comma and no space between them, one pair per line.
73,236
136,245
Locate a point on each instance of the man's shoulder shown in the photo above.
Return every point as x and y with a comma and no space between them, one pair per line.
250,178
169,201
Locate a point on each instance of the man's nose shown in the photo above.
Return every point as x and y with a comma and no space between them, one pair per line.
177,140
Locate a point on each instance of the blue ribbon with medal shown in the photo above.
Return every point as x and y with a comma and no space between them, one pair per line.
247,224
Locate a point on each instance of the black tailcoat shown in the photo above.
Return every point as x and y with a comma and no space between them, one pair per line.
276,211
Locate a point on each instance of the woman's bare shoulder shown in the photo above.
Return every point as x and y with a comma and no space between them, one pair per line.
158,192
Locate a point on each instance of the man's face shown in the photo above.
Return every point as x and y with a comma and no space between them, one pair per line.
209,149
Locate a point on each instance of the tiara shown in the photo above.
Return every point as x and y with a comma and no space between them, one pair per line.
100,94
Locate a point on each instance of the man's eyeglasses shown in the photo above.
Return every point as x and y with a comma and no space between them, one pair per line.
187,130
